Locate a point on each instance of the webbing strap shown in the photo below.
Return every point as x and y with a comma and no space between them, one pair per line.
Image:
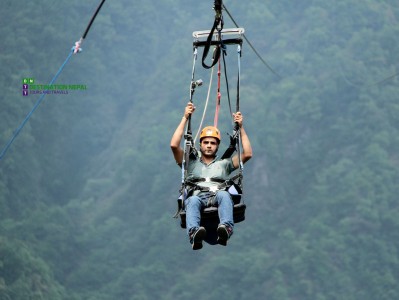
218,5
188,140
237,129
223,184
216,43
235,138
218,97
208,46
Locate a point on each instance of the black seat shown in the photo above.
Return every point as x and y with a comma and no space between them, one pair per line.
209,215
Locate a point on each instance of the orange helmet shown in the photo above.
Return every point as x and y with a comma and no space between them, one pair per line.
210,131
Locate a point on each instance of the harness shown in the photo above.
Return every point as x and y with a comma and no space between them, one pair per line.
193,185
209,214
231,185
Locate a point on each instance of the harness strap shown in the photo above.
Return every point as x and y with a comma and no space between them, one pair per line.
235,138
223,184
218,22
218,97
191,186
208,46
232,147
207,179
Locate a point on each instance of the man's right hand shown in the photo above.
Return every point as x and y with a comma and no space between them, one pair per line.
190,108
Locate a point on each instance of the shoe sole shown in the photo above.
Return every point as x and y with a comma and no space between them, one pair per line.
223,236
198,237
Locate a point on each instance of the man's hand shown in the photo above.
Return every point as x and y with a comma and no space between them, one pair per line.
190,108
238,118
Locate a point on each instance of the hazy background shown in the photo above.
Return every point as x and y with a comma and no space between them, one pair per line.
89,187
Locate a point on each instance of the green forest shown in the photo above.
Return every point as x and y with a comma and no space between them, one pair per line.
88,188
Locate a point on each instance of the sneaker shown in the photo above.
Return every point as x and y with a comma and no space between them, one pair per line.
196,238
224,233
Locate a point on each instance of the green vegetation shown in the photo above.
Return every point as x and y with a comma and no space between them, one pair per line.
89,187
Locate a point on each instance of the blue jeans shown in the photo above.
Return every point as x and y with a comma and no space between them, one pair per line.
195,204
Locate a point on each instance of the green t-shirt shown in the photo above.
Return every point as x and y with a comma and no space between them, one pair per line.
217,169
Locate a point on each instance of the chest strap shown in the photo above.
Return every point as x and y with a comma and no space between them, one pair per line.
223,184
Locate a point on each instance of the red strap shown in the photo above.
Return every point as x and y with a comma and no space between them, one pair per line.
218,96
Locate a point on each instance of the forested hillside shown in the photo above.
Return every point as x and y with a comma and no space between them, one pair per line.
88,188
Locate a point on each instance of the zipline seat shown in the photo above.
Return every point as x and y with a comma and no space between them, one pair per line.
209,215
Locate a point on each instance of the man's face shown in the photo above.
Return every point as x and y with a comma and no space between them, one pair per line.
209,146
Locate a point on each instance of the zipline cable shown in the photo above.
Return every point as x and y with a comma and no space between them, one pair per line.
79,43
74,50
92,19
338,63
387,78
278,75
358,86
252,47
18,130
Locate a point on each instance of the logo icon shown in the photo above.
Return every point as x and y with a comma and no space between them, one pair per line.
28,80
25,85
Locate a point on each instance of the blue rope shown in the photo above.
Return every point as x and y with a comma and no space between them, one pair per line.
18,130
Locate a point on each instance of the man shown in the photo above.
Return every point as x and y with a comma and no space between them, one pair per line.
208,166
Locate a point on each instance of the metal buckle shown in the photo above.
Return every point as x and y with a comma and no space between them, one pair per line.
213,189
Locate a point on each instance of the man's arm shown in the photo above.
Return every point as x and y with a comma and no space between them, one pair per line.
246,152
177,150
